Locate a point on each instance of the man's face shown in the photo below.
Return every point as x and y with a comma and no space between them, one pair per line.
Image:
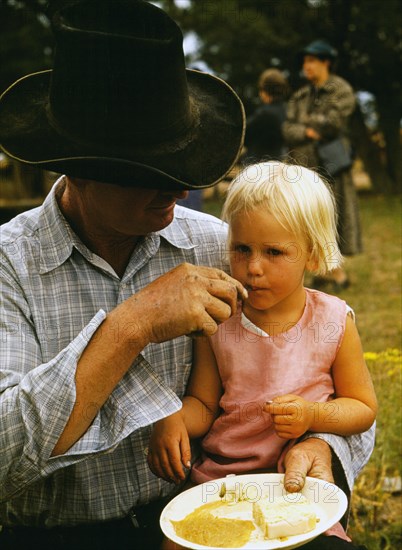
123,211
315,70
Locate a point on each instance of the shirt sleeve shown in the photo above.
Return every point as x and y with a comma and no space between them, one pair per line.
353,451
37,398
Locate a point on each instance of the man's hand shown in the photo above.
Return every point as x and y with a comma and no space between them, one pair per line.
187,300
311,457
312,134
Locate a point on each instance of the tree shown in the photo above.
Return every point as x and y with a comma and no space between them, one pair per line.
25,39
240,38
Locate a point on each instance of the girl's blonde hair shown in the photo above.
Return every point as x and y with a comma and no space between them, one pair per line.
297,198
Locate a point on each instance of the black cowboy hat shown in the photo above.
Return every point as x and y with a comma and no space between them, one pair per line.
119,105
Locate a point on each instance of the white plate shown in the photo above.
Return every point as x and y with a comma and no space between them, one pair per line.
329,501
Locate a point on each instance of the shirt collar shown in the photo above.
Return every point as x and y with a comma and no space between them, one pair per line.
175,234
57,239
328,85
55,235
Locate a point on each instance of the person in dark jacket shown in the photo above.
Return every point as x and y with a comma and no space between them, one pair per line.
264,138
318,113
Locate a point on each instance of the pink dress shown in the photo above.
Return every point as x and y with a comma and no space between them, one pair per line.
255,368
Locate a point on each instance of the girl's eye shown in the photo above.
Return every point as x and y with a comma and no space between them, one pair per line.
274,252
241,248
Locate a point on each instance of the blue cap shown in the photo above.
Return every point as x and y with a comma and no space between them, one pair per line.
320,49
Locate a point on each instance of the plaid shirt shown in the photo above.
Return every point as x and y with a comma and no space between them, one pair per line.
55,293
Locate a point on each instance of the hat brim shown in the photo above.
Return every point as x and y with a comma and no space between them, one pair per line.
199,159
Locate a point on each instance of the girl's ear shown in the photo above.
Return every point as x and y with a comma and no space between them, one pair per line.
312,262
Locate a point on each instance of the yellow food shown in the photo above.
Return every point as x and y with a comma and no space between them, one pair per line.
204,527
233,524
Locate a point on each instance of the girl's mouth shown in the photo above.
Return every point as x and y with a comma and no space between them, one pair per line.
252,288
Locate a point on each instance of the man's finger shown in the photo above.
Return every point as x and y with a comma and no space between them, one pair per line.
219,310
297,465
311,457
294,480
214,273
225,292
207,326
241,291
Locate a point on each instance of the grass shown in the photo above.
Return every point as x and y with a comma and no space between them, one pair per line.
375,296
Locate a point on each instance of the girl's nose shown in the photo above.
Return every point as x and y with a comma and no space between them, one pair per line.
255,266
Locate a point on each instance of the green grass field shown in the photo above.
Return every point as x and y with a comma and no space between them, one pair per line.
375,295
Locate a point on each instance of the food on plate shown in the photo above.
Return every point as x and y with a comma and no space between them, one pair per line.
284,516
210,525
232,491
229,524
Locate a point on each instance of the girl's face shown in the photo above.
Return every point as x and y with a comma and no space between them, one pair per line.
269,261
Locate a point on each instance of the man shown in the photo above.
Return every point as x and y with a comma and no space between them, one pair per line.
319,113
103,284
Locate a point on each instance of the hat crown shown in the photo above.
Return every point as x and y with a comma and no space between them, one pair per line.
118,74
321,48
119,105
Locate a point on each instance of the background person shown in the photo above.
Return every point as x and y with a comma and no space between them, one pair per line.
319,112
264,137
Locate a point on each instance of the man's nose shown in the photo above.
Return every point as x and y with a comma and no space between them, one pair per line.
178,193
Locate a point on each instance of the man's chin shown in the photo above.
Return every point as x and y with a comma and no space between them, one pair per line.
161,222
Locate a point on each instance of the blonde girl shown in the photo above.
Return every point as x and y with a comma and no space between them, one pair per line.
290,361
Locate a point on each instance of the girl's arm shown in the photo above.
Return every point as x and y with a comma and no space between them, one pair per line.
352,411
356,402
169,445
204,389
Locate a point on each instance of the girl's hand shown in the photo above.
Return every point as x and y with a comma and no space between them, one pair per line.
169,449
292,415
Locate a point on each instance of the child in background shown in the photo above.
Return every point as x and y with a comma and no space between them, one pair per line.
290,361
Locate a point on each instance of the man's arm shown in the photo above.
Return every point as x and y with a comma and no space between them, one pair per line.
186,300
38,395
312,457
